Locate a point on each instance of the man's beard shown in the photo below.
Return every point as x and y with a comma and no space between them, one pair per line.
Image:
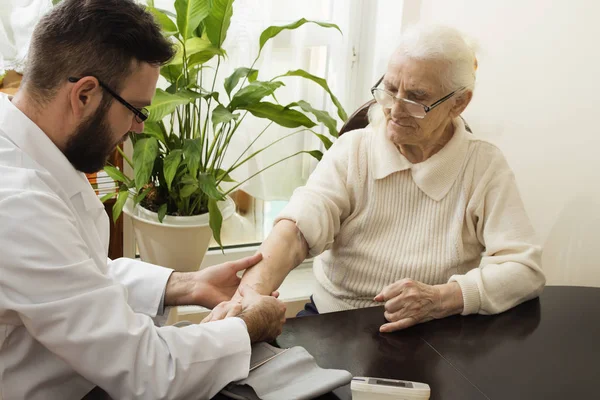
90,146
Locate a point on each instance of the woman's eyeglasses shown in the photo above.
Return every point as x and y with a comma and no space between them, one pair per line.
417,110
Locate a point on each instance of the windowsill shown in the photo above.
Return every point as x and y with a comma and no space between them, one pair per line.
295,291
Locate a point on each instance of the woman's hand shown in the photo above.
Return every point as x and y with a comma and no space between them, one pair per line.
409,302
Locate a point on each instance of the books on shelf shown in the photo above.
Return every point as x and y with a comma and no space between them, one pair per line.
102,183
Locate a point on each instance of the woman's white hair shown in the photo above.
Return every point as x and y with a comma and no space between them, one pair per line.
437,43
445,44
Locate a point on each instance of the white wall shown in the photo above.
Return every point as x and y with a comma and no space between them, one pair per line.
537,97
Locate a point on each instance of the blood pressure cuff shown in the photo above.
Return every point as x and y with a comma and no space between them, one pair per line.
277,374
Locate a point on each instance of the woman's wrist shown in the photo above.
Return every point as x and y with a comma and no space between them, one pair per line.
450,300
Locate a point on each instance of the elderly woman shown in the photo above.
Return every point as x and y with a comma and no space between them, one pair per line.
412,211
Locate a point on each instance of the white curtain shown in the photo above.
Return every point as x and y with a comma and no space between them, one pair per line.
311,48
17,21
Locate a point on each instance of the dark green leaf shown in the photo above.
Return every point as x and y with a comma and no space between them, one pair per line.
280,115
162,211
145,152
215,219
321,115
222,115
189,15
208,185
218,20
316,154
167,25
325,140
188,189
273,31
164,104
119,204
232,81
323,83
171,163
192,151
253,93
116,175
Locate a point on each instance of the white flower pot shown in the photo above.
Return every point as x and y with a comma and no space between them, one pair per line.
179,243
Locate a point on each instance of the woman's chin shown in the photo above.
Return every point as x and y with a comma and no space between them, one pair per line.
400,136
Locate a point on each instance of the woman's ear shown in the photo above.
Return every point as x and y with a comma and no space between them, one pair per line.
85,97
462,101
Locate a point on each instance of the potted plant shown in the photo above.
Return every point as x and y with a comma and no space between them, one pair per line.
176,197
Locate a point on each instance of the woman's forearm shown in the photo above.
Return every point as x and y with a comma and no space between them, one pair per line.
283,250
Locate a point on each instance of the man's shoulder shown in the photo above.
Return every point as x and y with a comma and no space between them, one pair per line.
21,175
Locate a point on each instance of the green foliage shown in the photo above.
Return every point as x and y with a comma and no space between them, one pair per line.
178,158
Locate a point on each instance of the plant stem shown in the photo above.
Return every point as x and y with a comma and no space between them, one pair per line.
262,170
122,153
236,165
205,133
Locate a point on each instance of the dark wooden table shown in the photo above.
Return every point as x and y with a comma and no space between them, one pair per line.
543,349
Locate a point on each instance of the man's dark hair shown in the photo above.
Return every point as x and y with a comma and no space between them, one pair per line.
101,38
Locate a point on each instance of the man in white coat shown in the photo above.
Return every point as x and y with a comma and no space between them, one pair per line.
70,318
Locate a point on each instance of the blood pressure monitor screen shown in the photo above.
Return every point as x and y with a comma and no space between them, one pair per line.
391,383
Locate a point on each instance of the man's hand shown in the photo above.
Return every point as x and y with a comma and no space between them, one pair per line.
409,302
209,286
264,315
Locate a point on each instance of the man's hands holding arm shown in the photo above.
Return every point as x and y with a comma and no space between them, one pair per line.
283,250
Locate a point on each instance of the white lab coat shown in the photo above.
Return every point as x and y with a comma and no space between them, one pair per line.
70,319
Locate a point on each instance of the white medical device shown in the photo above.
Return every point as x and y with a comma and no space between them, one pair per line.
365,388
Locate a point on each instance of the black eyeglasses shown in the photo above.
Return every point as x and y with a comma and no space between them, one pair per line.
416,110
140,114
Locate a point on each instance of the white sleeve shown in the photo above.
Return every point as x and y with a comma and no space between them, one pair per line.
145,283
320,207
510,269
67,304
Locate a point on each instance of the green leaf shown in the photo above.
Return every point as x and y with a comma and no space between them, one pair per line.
188,189
107,197
138,198
154,130
192,46
167,25
253,93
208,185
164,104
204,56
189,15
171,163
283,116
55,2
119,204
192,151
222,175
323,83
222,115
145,152
273,31
218,21
324,139
116,174
162,211
321,115
316,154
215,220
172,73
232,81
